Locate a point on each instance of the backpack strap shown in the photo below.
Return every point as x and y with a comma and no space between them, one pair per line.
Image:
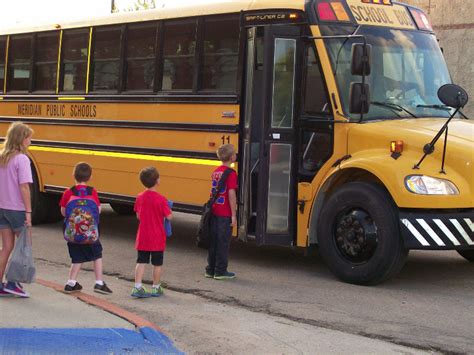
220,185
75,191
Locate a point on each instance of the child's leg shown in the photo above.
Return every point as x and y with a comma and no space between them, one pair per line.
223,235
156,275
98,269
139,271
74,271
211,253
8,241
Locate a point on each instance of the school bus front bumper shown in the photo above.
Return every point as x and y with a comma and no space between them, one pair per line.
438,230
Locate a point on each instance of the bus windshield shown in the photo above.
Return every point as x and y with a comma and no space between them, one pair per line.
407,69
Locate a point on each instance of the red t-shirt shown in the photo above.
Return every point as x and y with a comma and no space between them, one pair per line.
222,206
151,208
68,194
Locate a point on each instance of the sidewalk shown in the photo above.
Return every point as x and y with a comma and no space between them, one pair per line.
55,323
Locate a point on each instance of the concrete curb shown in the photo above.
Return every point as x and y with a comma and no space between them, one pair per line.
151,332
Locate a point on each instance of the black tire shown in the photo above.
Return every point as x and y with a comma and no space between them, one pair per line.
359,236
122,208
54,211
40,204
467,254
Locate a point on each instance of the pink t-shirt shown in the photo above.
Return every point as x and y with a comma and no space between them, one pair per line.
17,171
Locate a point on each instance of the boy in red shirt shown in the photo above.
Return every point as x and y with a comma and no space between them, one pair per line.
151,209
81,253
223,217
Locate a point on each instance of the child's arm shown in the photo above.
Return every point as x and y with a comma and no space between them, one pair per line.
138,216
233,205
63,211
26,196
169,217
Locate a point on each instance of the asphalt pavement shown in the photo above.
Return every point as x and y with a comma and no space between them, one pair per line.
52,322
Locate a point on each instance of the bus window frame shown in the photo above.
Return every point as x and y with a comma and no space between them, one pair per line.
34,91
188,20
85,31
240,58
9,66
157,44
4,62
121,59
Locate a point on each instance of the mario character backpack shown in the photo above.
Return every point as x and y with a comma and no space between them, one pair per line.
81,223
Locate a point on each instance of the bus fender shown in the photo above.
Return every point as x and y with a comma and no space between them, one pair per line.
36,172
353,169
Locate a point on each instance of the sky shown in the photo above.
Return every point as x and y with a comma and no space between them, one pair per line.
31,12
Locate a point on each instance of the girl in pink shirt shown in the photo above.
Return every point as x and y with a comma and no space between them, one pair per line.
15,197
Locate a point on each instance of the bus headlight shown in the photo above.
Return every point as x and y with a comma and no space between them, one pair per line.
427,185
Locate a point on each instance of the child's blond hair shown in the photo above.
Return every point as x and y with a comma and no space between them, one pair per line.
225,152
16,134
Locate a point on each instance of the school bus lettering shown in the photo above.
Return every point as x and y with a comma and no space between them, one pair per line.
266,17
375,16
380,15
55,110
402,17
29,109
83,111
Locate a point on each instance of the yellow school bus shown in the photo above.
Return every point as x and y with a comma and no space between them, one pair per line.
339,110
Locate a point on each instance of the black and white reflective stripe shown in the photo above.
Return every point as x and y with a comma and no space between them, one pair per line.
415,232
441,232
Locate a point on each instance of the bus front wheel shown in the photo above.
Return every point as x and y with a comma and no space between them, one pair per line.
358,234
467,254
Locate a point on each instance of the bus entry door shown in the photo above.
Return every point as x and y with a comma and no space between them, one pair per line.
270,144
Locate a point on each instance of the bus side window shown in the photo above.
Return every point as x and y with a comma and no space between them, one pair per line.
46,62
3,45
75,46
140,57
221,49
315,100
316,136
19,63
179,59
106,59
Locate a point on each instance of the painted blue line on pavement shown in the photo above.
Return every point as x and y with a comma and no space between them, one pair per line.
84,340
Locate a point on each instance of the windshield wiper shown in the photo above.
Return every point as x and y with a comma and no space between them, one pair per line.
443,108
438,107
394,107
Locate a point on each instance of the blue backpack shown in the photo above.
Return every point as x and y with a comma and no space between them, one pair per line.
81,222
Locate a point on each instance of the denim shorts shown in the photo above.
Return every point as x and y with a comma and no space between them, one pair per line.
10,219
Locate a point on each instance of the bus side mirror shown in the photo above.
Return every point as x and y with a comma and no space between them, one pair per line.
361,59
453,96
359,98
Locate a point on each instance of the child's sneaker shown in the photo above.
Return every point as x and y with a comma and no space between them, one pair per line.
4,293
103,289
157,291
15,289
140,292
224,276
208,275
70,289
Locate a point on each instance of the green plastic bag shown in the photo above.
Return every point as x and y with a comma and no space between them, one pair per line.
21,267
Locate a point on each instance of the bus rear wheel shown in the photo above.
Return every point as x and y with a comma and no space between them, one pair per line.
122,208
359,236
39,201
467,254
